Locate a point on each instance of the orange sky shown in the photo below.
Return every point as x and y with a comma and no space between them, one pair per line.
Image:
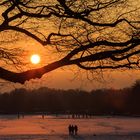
64,78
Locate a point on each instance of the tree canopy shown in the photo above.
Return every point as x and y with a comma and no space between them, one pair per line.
91,34
55,101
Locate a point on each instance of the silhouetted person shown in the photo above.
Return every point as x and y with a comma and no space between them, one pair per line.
72,130
73,116
69,128
75,129
18,115
22,115
43,116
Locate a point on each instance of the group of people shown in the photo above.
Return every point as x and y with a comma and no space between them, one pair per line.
73,129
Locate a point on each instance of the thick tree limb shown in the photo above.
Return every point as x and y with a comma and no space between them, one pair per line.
127,65
77,34
30,74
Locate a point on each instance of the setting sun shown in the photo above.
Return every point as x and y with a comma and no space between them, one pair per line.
35,59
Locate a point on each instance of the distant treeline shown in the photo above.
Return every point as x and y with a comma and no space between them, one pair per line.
96,102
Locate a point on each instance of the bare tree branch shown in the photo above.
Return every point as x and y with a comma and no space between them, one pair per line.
90,34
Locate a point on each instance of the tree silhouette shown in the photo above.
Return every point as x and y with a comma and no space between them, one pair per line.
96,102
91,34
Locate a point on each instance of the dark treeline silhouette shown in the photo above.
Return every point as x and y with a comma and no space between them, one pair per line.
76,102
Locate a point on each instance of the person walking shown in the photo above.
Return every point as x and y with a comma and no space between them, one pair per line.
72,130
75,130
69,128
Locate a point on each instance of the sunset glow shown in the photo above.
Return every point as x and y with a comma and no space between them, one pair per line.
35,59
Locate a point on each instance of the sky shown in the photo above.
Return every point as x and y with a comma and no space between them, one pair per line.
66,77
62,78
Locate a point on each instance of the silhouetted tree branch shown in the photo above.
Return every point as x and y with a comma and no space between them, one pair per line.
92,34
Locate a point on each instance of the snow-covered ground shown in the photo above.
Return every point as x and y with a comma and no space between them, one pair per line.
56,128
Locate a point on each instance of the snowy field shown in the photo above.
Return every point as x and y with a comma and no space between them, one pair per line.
56,128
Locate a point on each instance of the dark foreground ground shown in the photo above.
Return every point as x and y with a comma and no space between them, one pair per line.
66,137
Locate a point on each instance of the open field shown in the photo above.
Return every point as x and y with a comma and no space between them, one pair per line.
55,128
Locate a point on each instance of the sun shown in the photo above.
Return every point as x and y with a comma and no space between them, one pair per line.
35,59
